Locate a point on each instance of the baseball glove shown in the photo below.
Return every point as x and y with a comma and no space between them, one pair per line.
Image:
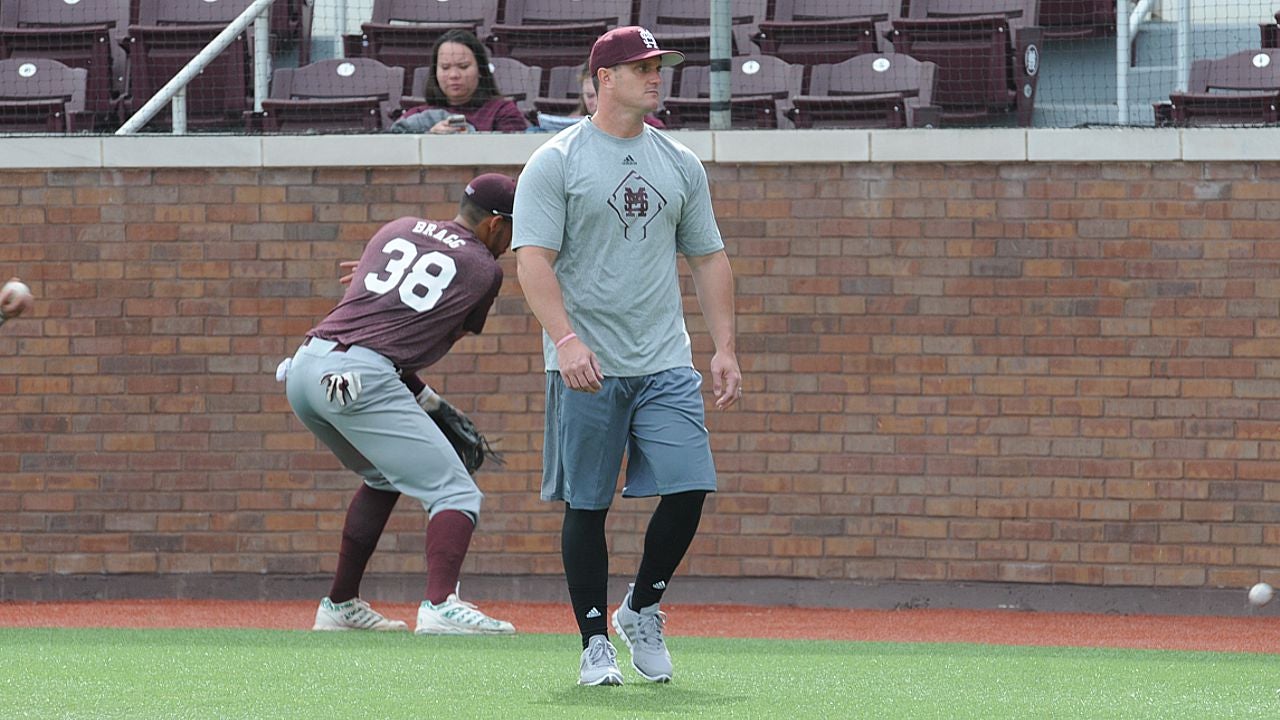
467,440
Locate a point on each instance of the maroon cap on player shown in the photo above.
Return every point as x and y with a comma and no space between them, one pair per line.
629,44
494,192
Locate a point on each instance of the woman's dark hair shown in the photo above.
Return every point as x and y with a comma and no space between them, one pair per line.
486,89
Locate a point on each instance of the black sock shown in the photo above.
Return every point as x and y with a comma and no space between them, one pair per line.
671,530
586,568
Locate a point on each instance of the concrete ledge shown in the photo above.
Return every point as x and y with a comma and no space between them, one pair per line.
478,150
1103,145
726,591
798,146
340,151
1248,144
980,145
942,145
40,153
177,151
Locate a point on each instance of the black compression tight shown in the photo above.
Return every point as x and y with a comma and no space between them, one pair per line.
671,531
586,568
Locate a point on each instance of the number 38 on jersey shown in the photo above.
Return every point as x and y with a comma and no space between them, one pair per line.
421,279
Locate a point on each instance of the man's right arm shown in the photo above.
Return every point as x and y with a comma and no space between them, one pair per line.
578,364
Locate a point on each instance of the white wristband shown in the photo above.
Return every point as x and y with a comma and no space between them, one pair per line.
428,399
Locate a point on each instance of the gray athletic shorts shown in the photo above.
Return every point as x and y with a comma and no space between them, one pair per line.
384,436
657,421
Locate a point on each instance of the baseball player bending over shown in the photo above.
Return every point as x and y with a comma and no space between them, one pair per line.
602,212
419,286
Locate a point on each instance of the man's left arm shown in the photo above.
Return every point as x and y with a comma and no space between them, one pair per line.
713,280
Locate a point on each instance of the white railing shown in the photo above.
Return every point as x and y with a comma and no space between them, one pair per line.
1128,23
176,89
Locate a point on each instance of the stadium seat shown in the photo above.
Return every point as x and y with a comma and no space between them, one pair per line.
686,26
813,32
403,32
514,79
85,34
167,34
877,90
1270,33
1238,89
550,33
1077,19
291,23
563,90
987,53
42,95
342,94
759,89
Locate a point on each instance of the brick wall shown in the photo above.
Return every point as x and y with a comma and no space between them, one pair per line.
1032,373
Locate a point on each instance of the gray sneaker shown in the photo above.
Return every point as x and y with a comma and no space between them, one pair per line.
642,631
599,663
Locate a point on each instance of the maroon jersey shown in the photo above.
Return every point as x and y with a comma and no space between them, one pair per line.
420,285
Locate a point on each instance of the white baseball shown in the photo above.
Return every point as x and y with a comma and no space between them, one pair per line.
1261,594
17,288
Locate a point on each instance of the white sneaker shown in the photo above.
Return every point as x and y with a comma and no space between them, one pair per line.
354,614
599,663
458,617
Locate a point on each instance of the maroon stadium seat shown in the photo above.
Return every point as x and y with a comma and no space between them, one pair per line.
549,33
686,26
1270,33
1238,89
291,23
1066,19
352,94
42,95
403,32
987,53
812,32
86,35
167,34
878,90
759,90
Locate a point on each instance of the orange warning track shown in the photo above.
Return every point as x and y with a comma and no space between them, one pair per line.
1000,627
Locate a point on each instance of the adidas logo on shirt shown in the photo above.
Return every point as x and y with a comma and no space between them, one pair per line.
660,585
593,613
628,160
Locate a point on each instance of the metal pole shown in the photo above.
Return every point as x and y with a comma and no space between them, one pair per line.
261,59
721,63
1122,60
179,111
1184,45
193,68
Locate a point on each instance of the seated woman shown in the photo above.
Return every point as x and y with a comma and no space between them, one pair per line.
586,106
461,83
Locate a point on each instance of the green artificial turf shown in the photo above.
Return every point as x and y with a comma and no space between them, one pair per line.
262,675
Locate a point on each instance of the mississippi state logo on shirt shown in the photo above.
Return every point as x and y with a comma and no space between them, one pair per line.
636,202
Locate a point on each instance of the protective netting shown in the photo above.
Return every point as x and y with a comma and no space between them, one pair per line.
371,65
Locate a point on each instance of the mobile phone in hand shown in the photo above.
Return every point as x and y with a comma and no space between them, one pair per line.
456,120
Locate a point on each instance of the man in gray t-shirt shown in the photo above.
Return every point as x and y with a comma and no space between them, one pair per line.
601,212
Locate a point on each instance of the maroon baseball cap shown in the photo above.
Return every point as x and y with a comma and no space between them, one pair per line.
494,192
627,44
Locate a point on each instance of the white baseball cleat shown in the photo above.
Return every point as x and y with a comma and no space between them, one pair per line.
455,616
354,614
